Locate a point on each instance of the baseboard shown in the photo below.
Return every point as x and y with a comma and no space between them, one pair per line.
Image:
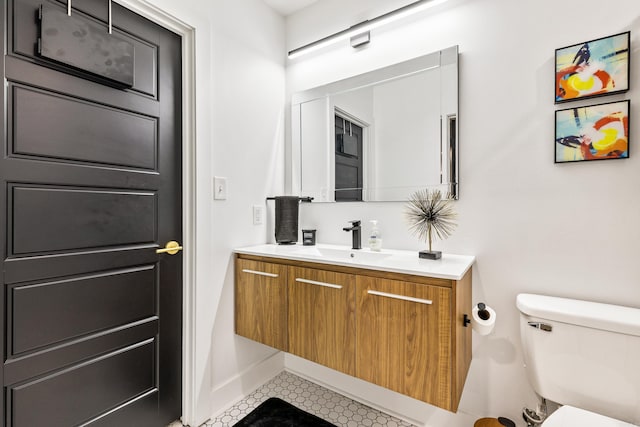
382,399
246,382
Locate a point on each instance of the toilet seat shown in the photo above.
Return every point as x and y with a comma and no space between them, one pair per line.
568,416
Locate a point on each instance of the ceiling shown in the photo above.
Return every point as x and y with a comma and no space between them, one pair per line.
287,7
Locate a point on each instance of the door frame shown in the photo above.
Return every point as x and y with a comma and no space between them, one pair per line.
187,33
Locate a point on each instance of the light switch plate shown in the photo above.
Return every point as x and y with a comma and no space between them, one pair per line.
258,214
220,188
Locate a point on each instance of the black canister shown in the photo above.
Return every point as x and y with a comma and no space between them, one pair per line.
308,237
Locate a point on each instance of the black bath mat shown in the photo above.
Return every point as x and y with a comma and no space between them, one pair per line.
277,412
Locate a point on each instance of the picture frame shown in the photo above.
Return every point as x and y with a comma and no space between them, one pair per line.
593,132
594,68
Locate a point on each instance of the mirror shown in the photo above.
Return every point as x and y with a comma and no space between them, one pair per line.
381,135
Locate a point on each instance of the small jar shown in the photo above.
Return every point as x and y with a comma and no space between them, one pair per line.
308,237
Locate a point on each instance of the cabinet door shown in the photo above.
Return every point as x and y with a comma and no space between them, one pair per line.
261,302
321,317
404,338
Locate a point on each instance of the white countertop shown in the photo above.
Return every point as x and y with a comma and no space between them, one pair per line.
452,267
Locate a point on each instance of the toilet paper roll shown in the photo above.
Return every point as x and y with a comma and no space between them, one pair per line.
483,320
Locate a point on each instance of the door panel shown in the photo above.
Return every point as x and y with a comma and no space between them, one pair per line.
403,342
322,308
91,187
25,367
108,381
133,143
73,307
78,218
261,302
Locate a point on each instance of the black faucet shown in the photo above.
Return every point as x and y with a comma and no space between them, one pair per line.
356,237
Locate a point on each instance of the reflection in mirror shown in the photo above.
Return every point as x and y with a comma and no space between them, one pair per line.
381,135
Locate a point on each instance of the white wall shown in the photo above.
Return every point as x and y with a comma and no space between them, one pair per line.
248,131
569,230
316,168
408,134
240,84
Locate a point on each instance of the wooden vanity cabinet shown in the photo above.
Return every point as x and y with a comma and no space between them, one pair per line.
322,320
402,332
261,302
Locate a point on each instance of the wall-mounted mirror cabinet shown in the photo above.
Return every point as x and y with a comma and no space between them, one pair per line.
381,135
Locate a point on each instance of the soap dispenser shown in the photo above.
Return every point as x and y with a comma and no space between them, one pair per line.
375,240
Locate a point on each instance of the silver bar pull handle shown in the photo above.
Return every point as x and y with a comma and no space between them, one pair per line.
110,20
541,326
400,297
313,282
69,7
259,273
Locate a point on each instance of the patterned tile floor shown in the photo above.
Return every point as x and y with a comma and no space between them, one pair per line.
310,397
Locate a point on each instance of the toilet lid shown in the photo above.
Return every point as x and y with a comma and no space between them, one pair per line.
568,416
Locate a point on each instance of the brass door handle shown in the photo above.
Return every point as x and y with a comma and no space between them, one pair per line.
172,247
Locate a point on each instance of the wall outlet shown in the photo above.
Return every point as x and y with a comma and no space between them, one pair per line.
258,214
220,188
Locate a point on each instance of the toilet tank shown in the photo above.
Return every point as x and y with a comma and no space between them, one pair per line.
583,354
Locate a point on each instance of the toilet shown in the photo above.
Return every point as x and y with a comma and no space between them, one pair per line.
585,356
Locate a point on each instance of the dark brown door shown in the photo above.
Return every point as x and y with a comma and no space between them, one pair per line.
91,187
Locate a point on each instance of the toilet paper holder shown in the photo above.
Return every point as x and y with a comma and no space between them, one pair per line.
482,312
466,321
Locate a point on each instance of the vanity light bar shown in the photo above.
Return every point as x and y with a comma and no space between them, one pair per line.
365,26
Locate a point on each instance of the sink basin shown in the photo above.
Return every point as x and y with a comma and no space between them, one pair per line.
357,255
